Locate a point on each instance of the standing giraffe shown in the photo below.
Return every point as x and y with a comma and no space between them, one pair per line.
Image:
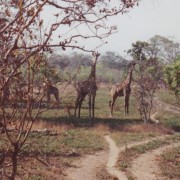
87,87
122,89
51,89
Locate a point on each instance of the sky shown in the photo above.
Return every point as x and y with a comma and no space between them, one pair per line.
151,17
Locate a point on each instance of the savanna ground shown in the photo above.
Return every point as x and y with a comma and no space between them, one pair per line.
48,155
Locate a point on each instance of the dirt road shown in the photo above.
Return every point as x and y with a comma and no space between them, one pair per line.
144,167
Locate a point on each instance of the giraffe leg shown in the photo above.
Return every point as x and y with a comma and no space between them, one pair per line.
80,104
79,108
56,95
76,104
111,104
126,105
90,106
93,106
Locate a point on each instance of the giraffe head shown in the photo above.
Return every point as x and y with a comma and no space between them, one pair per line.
132,64
95,55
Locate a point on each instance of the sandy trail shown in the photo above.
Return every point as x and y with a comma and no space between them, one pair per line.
115,151
166,107
87,167
113,157
146,165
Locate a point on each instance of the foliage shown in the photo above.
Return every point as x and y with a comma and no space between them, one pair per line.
163,48
148,75
77,66
138,51
73,60
172,77
113,60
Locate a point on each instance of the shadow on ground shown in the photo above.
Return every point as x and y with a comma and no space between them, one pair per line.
112,123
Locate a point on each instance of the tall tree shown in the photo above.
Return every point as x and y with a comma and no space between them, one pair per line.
172,77
25,38
148,76
163,48
113,60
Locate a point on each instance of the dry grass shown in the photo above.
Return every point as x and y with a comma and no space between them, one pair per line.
59,128
147,128
167,97
38,171
170,163
101,128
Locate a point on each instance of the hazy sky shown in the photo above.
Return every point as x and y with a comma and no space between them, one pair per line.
151,17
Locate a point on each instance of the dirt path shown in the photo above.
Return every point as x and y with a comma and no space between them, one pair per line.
113,157
114,153
146,165
153,119
166,107
86,168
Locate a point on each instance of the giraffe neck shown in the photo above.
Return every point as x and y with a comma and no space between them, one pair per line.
92,75
129,77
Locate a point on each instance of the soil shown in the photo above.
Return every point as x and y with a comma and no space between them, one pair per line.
113,157
146,165
166,107
87,167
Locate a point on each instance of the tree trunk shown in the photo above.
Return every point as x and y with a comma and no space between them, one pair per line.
14,161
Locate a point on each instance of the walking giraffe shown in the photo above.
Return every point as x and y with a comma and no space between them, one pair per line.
87,87
123,89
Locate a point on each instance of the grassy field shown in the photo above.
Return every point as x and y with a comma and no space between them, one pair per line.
102,111
75,137
167,97
169,119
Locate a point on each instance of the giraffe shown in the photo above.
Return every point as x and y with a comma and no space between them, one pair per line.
51,89
123,89
87,87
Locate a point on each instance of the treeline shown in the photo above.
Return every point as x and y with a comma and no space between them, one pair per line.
111,66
